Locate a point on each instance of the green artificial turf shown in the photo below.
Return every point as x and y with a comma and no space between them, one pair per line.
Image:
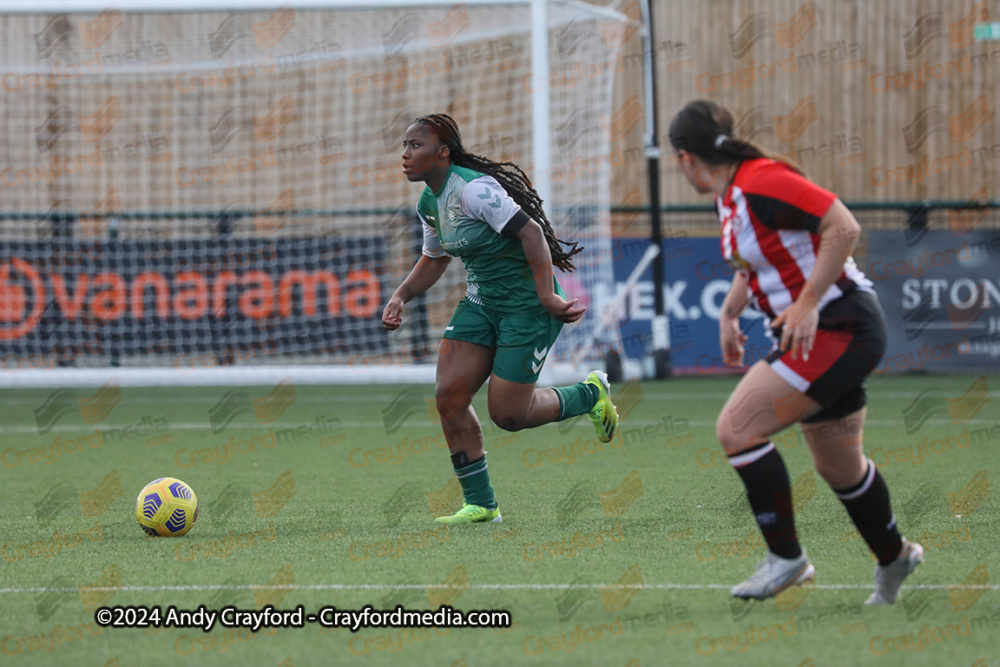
314,502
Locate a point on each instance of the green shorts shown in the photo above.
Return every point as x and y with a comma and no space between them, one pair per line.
522,341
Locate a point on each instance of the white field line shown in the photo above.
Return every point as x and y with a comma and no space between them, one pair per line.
362,397
389,587
193,426
87,429
212,400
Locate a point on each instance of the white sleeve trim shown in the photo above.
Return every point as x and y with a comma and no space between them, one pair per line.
485,199
432,246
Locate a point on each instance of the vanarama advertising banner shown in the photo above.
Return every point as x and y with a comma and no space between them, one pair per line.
226,300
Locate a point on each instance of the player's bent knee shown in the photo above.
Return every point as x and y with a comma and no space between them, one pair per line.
507,422
734,442
731,442
721,432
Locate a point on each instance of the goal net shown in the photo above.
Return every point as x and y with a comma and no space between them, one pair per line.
219,190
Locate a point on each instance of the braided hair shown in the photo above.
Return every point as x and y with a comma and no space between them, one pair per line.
705,129
508,175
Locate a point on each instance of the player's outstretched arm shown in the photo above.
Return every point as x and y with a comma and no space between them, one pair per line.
426,272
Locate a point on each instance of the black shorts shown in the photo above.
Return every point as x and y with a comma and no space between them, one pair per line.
850,342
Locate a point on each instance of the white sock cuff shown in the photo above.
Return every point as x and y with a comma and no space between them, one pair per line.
865,485
740,460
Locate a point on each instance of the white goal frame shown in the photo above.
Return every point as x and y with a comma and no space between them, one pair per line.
311,374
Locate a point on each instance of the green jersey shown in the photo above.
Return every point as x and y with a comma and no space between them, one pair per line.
465,220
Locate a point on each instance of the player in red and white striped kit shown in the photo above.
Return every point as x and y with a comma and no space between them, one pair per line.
791,242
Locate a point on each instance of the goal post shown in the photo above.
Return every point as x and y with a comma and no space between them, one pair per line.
210,192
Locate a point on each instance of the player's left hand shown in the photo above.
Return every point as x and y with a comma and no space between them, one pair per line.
798,329
392,316
563,310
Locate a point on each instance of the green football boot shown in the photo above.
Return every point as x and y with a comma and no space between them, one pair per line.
472,514
604,414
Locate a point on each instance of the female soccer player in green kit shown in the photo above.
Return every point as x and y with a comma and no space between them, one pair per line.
488,214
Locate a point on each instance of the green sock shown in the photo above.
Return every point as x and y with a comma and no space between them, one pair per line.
578,399
475,481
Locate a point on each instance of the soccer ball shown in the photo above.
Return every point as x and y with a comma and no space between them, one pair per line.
166,507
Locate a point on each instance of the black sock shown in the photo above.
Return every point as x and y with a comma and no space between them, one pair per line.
868,504
770,494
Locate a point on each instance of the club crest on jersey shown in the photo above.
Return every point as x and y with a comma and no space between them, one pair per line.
743,230
740,226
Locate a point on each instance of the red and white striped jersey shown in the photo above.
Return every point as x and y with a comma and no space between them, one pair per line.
770,217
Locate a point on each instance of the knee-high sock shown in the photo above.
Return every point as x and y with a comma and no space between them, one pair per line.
770,494
868,504
577,399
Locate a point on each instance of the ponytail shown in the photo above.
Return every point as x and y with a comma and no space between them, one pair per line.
706,130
